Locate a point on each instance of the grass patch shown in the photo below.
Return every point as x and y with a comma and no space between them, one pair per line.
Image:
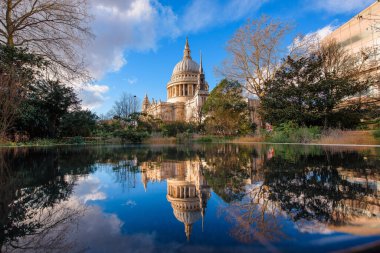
214,139
336,136
160,140
78,140
205,139
258,138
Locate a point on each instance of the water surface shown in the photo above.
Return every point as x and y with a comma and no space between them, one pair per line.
200,198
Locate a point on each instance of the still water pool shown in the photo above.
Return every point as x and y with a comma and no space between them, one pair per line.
198,198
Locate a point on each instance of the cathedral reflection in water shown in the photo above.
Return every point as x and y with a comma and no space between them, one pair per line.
257,197
355,210
187,189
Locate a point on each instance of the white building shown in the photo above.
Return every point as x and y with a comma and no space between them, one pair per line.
360,34
187,91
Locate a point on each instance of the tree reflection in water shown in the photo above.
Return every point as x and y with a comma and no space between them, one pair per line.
31,189
37,209
235,174
333,188
315,188
327,188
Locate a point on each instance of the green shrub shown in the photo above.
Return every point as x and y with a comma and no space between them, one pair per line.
77,140
362,127
205,139
291,133
78,123
377,123
172,129
376,134
184,137
42,142
131,135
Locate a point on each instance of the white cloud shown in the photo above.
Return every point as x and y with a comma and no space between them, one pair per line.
339,6
310,41
88,189
323,32
122,25
312,227
93,96
132,80
201,14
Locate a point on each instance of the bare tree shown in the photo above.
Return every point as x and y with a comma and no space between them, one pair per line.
54,29
126,105
198,115
255,218
255,53
360,68
338,61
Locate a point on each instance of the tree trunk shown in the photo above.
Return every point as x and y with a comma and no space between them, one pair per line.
10,26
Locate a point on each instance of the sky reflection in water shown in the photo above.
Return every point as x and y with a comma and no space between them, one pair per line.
201,198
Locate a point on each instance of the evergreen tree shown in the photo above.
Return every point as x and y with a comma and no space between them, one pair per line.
78,123
310,91
47,102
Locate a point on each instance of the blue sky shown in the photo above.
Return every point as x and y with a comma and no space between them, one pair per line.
138,42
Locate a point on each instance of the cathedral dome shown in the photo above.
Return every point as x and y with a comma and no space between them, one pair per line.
186,65
187,217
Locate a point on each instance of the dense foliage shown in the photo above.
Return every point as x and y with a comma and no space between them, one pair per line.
133,128
227,111
172,129
18,69
34,106
307,92
78,123
290,132
46,102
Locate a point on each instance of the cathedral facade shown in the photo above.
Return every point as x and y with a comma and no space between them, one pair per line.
187,91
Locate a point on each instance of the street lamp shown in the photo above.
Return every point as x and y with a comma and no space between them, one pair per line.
134,103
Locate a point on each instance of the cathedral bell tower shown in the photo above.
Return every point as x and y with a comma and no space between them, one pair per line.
201,77
145,104
201,92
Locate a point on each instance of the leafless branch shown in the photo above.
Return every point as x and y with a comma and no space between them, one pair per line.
55,29
255,53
